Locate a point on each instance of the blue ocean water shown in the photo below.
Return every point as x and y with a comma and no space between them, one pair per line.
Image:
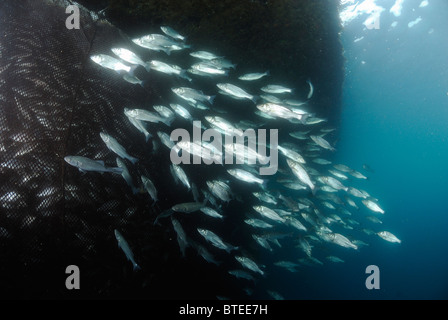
395,120
395,113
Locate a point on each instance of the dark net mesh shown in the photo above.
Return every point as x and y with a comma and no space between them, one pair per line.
55,102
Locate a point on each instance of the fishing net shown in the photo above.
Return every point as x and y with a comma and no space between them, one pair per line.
55,102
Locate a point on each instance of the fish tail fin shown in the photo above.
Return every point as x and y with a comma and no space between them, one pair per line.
147,66
184,75
211,99
133,160
164,214
254,99
168,121
268,73
135,190
117,170
264,184
147,136
132,70
142,83
304,118
137,267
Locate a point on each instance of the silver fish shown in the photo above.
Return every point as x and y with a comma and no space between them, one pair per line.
295,103
295,223
122,243
151,46
222,63
192,95
301,174
204,253
341,240
224,126
291,154
249,264
357,174
245,176
271,98
322,142
268,213
168,69
180,110
253,76
139,125
334,259
149,186
220,189
126,175
164,111
180,173
280,111
110,62
172,33
207,68
130,57
132,79
204,55
342,167
257,223
338,174
334,183
310,93
187,207
113,145
273,88
215,240
181,236
235,91
145,115
265,197
160,40
372,205
305,246
262,242
211,212
386,235
241,274
85,164
321,161
288,265
355,192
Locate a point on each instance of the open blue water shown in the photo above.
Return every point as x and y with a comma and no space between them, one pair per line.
395,120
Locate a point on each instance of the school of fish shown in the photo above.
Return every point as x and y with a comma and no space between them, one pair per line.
308,203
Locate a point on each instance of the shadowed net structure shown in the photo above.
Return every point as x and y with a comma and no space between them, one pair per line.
55,102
